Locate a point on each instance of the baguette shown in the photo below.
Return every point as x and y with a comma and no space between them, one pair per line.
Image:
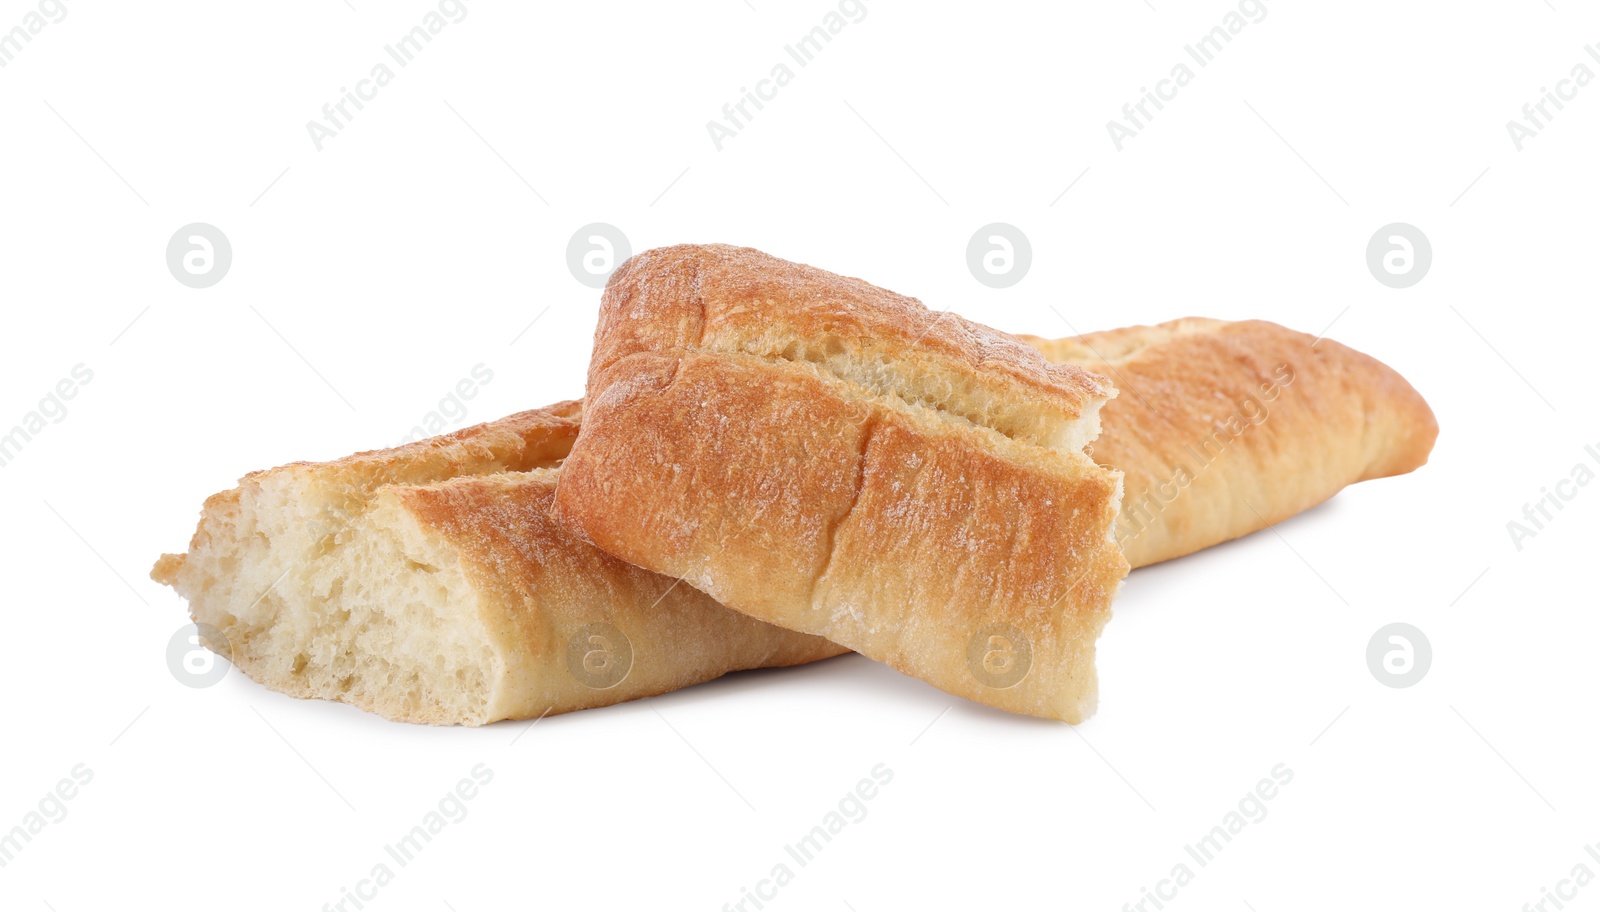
428,583
1224,428
834,458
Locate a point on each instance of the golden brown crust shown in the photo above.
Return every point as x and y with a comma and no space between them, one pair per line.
718,298
785,444
516,443
1225,428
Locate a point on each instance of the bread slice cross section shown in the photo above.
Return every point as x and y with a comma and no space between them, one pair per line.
429,583
840,460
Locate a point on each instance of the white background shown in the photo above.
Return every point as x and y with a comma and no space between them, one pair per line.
371,276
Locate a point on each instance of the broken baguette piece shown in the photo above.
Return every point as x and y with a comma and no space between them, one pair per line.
1224,428
837,459
428,583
